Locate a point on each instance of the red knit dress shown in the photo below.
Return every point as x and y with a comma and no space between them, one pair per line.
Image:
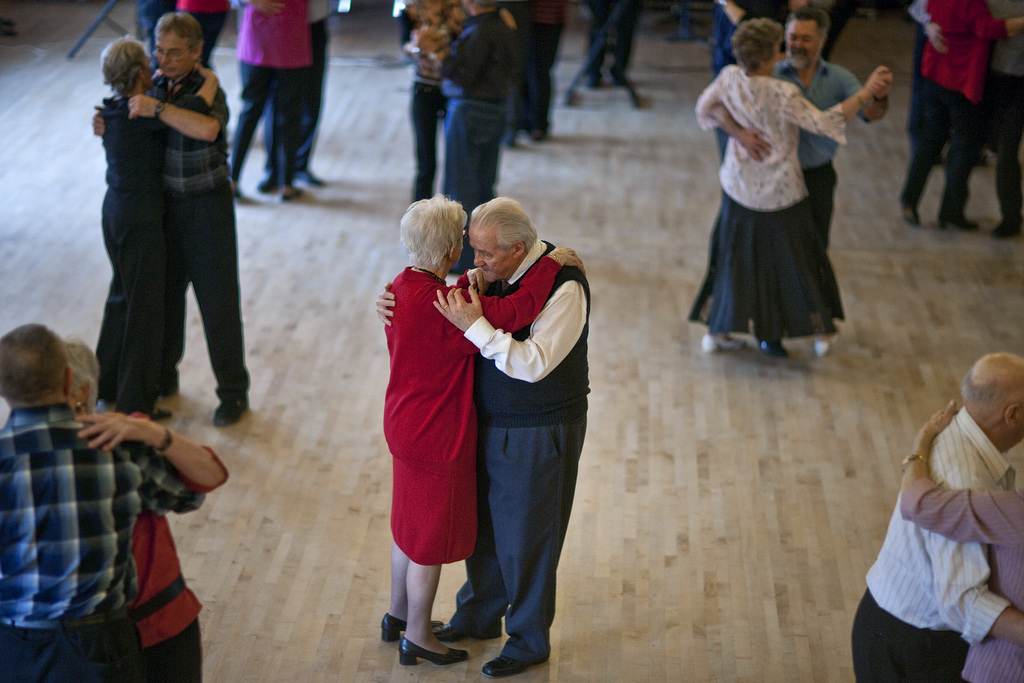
429,416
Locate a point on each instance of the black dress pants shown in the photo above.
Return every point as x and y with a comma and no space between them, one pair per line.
202,250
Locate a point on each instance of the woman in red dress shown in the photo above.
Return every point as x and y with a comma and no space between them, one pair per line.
430,419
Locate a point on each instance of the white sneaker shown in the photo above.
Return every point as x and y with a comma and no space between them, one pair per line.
711,344
823,345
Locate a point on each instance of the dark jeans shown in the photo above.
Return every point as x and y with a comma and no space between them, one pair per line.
211,23
472,138
1004,101
914,123
539,61
202,249
131,336
428,104
178,659
821,190
312,99
149,12
257,84
946,115
102,653
526,481
520,11
620,36
887,649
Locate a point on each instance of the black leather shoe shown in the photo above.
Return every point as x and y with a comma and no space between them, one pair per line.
391,627
447,633
229,412
267,186
502,666
1004,230
408,651
308,178
773,348
958,222
910,216
159,414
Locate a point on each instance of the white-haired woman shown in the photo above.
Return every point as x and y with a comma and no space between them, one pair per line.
165,611
430,419
766,271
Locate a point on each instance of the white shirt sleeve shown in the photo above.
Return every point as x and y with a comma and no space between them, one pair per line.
552,335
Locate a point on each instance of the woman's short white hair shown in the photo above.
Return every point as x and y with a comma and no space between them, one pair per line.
430,228
123,60
510,219
86,369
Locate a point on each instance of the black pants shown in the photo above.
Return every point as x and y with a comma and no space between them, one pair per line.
259,85
202,249
887,649
101,653
821,191
1004,103
178,659
427,107
539,61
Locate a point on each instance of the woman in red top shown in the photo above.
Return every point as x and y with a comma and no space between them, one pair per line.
165,612
430,418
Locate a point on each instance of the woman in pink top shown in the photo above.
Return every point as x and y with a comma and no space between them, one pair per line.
992,517
274,49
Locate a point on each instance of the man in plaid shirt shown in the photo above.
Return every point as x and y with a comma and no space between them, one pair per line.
66,517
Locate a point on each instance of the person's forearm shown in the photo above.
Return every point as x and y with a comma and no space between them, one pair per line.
852,105
190,123
734,12
721,116
1009,626
875,108
192,460
209,89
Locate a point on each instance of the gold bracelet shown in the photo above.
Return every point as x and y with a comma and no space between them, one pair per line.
911,458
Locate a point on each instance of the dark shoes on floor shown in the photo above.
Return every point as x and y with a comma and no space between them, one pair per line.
502,666
447,633
308,178
910,216
773,348
1004,230
409,653
958,222
230,411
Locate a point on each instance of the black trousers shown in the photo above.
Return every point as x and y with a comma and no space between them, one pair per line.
888,649
131,336
821,191
539,61
179,659
202,250
101,653
428,106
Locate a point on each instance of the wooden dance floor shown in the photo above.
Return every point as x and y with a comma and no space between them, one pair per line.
728,505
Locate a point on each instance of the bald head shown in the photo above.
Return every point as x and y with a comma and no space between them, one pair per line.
993,393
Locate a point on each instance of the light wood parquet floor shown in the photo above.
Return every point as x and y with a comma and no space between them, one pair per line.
728,506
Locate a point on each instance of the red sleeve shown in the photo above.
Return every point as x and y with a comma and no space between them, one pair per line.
981,23
517,310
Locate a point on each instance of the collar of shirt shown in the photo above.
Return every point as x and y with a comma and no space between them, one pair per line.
995,461
532,256
788,72
58,412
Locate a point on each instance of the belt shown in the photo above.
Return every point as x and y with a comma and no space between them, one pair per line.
158,601
90,620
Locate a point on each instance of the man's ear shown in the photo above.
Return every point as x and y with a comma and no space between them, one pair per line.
69,381
518,249
1013,415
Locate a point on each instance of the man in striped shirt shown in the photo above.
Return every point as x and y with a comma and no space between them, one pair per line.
927,597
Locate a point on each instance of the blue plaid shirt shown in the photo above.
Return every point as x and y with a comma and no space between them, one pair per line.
67,512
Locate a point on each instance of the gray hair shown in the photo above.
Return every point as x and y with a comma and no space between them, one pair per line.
811,13
183,25
32,365
122,62
430,228
86,368
755,42
510,219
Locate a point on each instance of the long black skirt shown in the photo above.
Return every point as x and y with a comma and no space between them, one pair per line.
768,274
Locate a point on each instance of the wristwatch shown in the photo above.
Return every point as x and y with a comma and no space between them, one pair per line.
157,109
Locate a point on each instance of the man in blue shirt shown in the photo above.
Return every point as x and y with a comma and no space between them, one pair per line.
66,517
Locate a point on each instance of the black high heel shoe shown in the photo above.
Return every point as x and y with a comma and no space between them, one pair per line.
773,347
408,651
958,222
391,628
910,216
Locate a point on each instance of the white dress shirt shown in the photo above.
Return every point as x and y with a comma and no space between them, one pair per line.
927,580
552,335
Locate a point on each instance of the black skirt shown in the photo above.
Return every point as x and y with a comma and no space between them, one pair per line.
768,274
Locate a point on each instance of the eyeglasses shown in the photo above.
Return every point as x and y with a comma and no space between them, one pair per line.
169,54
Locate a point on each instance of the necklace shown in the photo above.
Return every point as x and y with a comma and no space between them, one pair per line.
423,270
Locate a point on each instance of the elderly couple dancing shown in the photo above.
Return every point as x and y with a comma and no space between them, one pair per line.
485,427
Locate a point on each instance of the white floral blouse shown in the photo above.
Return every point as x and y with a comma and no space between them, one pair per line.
778,110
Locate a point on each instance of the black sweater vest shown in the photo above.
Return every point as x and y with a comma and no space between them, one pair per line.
559,398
